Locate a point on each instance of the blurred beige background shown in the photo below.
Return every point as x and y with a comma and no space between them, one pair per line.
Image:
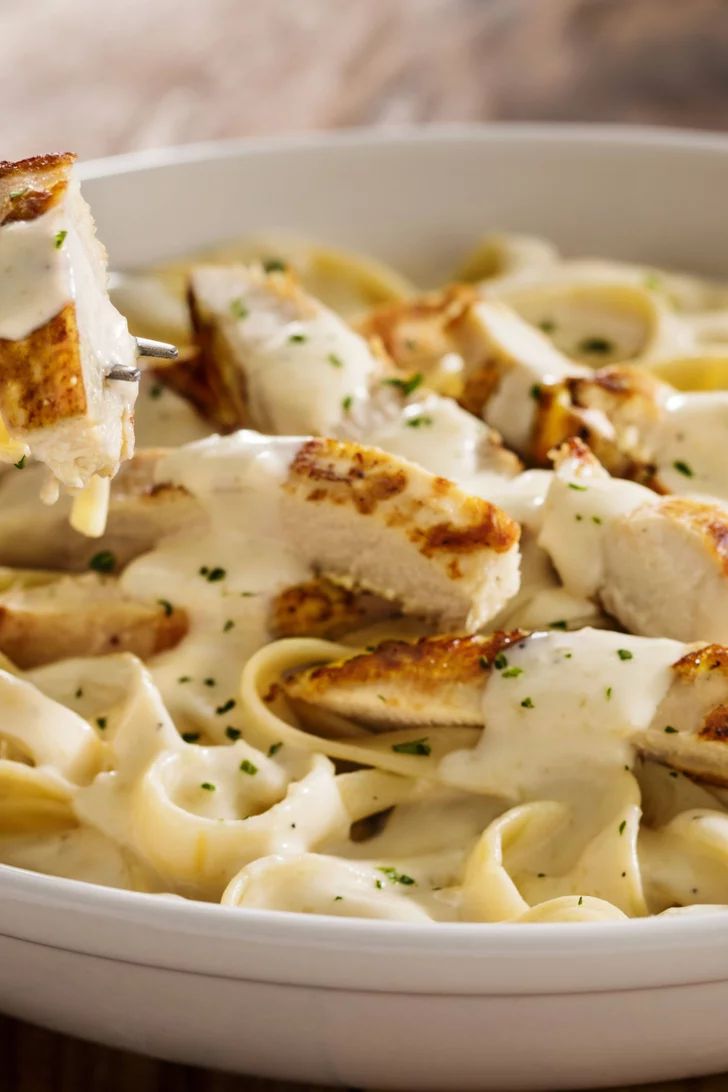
106,76
102,76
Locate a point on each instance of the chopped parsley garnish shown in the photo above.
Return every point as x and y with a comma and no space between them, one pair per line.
79,692
298,339
500,662
578,517
672,773
413,747
406,385
624,654
595,345
225,707
670,730
547,325
596,519
535,392
156,391
382,698
20,463
238,309
581,899
168,608
15,194
346,403
484,663
184,678
378,884
512,672
397,877
541,875
210,682
683,468
233,733
559,624
228,626
653,282
578,488
274,265
207,786
608,693
247,767
101,722
419,422
59,239
338,898
623,826
214,574
190,737
274,749
335,361
103,562
527,703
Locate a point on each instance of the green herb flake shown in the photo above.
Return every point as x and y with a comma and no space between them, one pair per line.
228,626
238,309
274,749
670,730
207,786
20,465
247,767
597,520
59,239
527,703
623,826
210,682
297,339
79,692
335,361
338,898
101,722
347,402
15,194
184,678
683,468
423,421
407,386
213,575
608,693
547,325
672,773
559,624
397,877
382,698
413,747
274,265
500,662
156,391
578,488
512,672
225,707
580,901
653,282
624,654
103,562
541,875
233,733
484,663
190,737
599,345
378,884
535,392
166,605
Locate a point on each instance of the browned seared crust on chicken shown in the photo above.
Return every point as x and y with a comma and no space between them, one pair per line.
417,333
369,519
435,680
83,616
320,608
31,186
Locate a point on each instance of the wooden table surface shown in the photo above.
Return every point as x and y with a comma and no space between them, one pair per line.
104,77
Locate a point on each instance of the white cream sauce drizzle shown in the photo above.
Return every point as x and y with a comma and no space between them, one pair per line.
690,445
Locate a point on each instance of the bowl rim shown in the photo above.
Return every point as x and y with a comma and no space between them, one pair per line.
693,933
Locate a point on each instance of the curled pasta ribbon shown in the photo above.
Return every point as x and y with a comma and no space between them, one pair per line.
686,860
33,801
273,721
316,884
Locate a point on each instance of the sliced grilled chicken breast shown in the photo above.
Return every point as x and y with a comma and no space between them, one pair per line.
366,518
83,616
320,608
59,332
141,512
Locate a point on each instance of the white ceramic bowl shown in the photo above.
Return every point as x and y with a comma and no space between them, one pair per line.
381,1004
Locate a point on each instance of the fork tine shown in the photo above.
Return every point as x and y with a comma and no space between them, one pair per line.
160,349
